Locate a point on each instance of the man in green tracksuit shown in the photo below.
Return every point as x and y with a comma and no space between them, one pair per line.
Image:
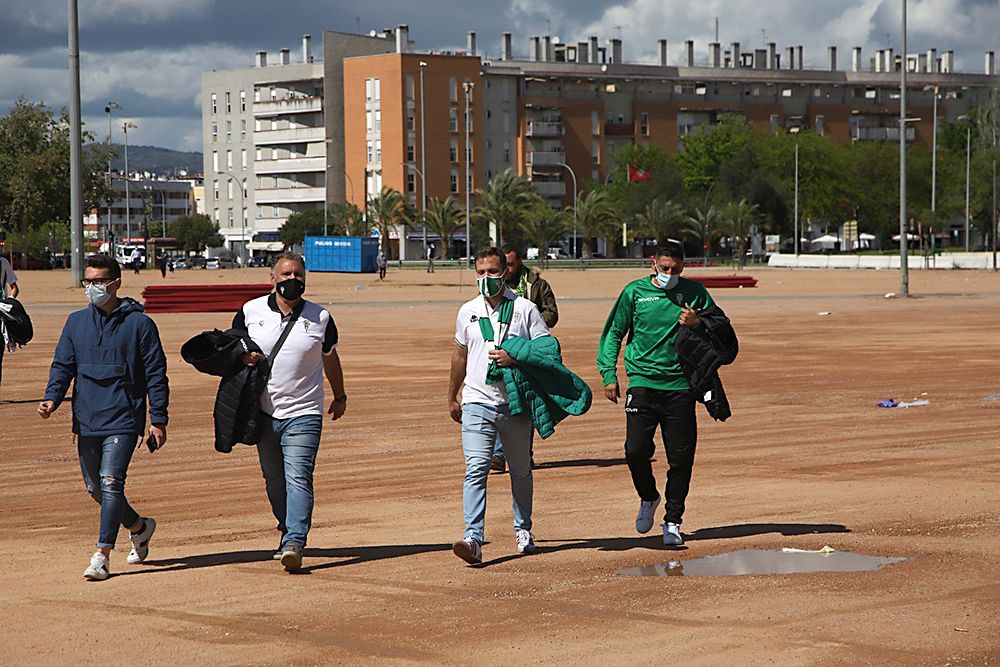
647,315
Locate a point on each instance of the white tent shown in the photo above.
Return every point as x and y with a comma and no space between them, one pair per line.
909,237
826,239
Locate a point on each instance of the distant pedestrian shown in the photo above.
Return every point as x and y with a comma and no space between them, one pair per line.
111,354
164,262
170,264
382,264
135,259
7,280
430,258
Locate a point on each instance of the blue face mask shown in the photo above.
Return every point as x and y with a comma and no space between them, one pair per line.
667,280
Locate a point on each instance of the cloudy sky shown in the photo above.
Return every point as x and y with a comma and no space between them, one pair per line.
148,55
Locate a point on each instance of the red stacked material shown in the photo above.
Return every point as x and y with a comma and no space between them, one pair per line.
200,298
716,282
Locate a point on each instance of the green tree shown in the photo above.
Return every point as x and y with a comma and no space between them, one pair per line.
704,153
504,202
706,221
196,232
542,225
444,218
738,220
594,216
664,182
662,220
348,219
299,225
386,212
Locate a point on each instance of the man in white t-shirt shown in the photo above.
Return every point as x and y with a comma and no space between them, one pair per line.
7,279
292,405
482,325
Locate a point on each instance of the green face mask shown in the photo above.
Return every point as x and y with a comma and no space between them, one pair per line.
489,286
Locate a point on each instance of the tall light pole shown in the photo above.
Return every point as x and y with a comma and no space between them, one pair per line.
968,159
933,159
904,269
128,211
75,148
468,87
423,161
795,131
575,203
111,106
243,226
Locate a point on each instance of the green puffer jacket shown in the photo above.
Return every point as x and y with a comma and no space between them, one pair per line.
539,385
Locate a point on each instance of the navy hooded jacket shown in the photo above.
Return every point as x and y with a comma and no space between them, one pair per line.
113,361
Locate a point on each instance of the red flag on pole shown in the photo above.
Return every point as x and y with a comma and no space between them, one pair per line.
637,175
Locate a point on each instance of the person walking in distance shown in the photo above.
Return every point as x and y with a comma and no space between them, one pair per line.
299,339
483,323
111,353
8,287
164,263
136,260
648,314
430,258
381,265
529,284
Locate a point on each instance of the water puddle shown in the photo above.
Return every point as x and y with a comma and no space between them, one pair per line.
762,561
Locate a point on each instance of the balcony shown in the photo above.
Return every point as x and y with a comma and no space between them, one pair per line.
882,134
619,129
296,135
545,129
550,188
289,165
546,158
288,195
287,106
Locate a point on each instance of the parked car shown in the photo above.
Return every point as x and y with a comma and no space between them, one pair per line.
17,260
219,263
189,263
259,260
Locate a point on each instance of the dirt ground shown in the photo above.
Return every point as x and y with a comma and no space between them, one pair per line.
807,460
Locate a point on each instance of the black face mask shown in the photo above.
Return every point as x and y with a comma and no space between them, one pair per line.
291,289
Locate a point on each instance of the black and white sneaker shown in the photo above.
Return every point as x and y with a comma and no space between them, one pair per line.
140,542
469,550
99,568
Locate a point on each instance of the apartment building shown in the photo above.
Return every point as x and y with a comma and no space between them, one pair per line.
147,200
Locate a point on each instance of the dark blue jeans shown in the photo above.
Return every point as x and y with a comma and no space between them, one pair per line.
104,463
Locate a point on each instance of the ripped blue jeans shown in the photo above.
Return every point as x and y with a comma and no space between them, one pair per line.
104,463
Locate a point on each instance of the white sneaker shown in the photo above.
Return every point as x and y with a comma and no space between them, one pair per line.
140,542
672,534
525,542
99,569
644,519
469,550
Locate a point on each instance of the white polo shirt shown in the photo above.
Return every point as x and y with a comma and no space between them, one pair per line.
7,276
295,387
525,322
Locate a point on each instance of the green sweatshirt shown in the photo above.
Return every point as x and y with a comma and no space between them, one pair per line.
648,315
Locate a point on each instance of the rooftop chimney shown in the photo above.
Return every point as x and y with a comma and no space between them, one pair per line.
616,50
402,38
932,60
307,56
471,43
261,59
535,52
582,52
790,57
832,53
889,61
856,59
991,63
736,55
689,53
760,59
661,50
948,62
284,57
505,47
772,55
799,58
715,54
594,55
547,48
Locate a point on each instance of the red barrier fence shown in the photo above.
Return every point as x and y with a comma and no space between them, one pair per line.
717,282
200,298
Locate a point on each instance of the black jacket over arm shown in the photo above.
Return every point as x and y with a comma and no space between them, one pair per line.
237,401
702,351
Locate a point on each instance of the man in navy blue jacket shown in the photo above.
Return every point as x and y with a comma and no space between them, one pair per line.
111,353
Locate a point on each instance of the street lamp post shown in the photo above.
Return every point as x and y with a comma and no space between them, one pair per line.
111,181
934,144
468,87
968,155
243,226
575,203
128,211
423,162
904,268
795,131
423,211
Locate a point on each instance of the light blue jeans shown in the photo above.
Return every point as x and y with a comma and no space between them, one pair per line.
287,452
481,425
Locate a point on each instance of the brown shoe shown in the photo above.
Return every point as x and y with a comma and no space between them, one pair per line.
499,464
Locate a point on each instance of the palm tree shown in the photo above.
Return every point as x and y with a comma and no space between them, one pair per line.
664,219
707,223
542,225
348,219
737,220
444,218
386,211
594,216
504,202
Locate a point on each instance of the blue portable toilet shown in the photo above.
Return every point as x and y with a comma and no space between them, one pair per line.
341,254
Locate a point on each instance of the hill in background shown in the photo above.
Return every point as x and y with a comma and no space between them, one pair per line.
156,160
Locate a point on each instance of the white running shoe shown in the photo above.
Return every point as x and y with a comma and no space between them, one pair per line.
99,569
140,542
525,542
644,519
469,550
672,534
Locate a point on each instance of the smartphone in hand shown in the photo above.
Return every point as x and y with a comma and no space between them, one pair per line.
151,443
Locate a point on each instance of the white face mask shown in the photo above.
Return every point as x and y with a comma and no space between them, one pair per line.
97,294
667,280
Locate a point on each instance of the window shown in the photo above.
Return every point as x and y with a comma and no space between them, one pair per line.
275,211
257,125
215,189
229,131
243,158
595,123
274,123
819,125
378,120
260,185
260,154
411,181
452,89
215,160
506,122
409,120
595,151
274,93
453,150
644,124
215,132
378,151
256,98
244,188
468,153
215,102
229,159
506,152
229,103
243,129
369,90
369,121
409,87
229,190
215,215
274,181
229,215
260,211
243,100
453,120
371,152
774,123
410,151
453,179
378,90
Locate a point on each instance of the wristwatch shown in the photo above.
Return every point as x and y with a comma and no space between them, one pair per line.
341,399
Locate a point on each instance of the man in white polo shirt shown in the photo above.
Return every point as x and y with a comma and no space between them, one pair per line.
7,277
292,405
482,325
